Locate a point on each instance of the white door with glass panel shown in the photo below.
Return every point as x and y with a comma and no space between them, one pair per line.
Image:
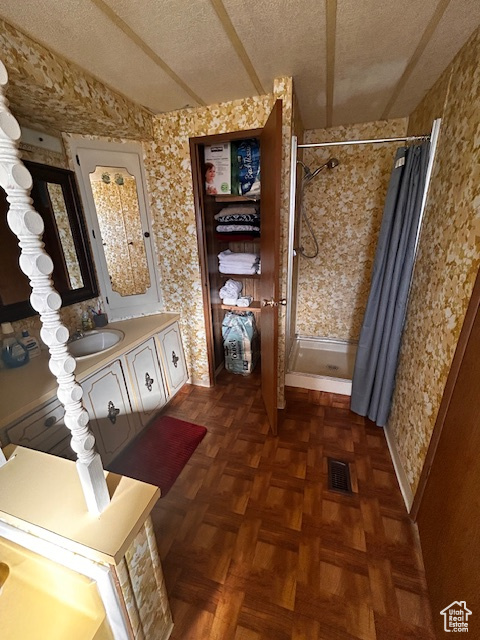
113,186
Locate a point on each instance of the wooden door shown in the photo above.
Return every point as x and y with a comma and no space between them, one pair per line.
270,172
449,511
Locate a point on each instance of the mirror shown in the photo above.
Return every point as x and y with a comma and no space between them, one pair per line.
114,192
55,197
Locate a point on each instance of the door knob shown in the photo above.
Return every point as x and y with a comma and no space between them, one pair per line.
283,302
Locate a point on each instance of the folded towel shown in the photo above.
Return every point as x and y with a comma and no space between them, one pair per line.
231,257
237,210
238,218
244,301
236,228
231,289
230,302
237,270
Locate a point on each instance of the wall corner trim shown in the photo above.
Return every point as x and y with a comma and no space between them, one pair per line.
399,470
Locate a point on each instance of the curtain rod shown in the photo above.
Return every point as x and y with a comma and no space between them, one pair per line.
378,140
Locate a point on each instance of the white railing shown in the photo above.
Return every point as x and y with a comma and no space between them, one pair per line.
37,265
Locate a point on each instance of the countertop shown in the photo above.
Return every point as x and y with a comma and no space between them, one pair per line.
41,494
27,388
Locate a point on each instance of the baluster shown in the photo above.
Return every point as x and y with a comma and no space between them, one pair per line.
37,265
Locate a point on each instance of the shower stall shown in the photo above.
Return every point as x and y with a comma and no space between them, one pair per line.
322,364
336,208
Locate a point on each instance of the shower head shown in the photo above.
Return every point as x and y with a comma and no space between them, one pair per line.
309,175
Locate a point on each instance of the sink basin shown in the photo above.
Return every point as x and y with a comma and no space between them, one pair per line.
95,342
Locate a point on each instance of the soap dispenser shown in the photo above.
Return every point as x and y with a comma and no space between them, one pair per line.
14,353
87,322
30,343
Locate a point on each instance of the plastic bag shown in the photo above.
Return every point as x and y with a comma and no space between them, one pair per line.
248,162
240,342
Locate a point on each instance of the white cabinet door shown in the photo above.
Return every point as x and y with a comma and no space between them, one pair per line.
106,399
174,364
146,380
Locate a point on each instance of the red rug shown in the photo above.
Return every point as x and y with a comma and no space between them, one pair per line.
159,454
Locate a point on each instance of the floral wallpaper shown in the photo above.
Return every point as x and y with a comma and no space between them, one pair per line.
283,90
65,234
171,200
344,206
43,156
143,587
74,102
299,132
118,215
70,316
431,107
448,258
71,99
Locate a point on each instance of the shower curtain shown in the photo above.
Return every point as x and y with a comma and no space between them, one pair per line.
380,336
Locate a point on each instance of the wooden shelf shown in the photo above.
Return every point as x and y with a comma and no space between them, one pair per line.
239,275
255,306
234,198
245,239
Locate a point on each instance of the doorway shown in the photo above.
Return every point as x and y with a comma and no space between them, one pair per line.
262,285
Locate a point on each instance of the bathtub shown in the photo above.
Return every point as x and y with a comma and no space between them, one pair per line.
321,364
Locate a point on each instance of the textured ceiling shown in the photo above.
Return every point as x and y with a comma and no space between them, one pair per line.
351,61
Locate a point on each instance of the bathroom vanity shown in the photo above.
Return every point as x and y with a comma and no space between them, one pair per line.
108,565
123,387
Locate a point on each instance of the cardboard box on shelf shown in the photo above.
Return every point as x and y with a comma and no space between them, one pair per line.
218,171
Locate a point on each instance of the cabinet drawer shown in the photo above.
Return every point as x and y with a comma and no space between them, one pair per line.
106,399
63,449
171,349
146,380
41,430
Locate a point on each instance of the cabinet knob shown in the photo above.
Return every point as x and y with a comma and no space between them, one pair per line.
50,421
112,412
149,381
175,359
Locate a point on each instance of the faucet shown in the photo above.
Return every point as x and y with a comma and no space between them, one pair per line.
76,336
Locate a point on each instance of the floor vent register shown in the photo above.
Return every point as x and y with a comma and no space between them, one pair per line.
339,476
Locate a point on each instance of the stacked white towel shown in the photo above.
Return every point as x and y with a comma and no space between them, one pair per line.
234,210
231,290
238,263
230,302
244,301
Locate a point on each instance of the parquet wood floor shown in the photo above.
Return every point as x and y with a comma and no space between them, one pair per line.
255,547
